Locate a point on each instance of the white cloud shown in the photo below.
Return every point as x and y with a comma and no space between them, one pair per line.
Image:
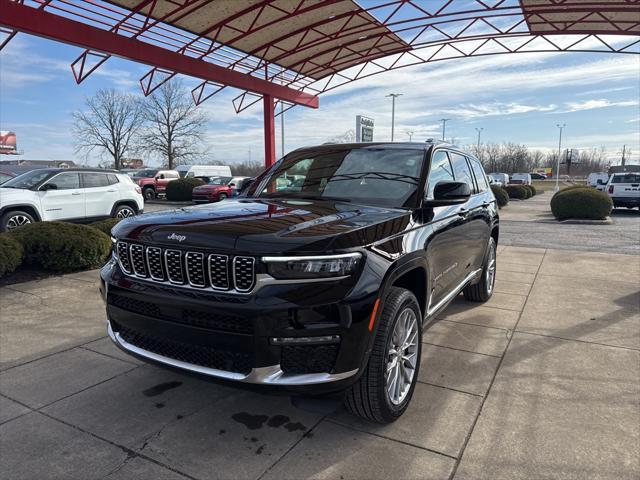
593,104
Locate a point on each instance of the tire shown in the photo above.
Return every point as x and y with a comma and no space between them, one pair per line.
482,291
222,196
124,211
15,219
149,193
369,397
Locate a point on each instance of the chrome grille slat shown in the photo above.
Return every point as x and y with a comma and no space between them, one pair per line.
219,271
154,262
173,263
187,268
137,260
194,266
244,273
122,250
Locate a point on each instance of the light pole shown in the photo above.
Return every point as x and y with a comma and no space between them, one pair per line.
479,130
282,127
410,133
393,110
561,127
444,126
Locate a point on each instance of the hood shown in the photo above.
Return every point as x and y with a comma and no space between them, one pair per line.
266,226
9,194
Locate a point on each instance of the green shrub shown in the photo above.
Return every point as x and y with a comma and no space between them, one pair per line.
584,202
106,225
502,197
11,254
532,190
63,247
180,190
517,191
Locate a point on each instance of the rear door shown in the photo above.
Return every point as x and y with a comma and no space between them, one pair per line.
482,205
66,200
100,193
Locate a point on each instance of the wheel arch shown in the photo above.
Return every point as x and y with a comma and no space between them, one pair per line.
30,209
129,203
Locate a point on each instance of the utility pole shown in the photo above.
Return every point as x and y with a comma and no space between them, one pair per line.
479,130
624,151
282,127
410,133
561,127
393,110
444,126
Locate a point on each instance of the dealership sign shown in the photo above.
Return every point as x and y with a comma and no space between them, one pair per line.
364,129
8,143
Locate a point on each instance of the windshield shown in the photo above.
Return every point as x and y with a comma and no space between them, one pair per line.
146,173
387,177
219,181
27,180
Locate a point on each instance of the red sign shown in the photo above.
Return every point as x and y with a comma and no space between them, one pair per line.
8,142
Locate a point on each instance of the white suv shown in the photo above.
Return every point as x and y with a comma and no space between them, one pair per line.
81,195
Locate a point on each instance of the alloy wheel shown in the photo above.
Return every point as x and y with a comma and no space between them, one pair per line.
491,267
17,221
402,356
125,213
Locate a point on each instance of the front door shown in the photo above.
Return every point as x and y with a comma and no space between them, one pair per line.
62,198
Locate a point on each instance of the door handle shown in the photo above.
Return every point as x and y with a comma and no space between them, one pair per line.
486,204
111,191
75,193
463,212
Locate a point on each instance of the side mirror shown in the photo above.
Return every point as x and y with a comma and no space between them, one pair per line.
449,193
600,182
232,185
49,186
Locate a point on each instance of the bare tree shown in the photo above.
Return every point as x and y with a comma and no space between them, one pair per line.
175,126
109,124
347,137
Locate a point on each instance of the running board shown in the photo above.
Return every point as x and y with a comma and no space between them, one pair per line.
452,294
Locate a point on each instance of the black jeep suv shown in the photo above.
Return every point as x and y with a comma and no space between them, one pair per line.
319,279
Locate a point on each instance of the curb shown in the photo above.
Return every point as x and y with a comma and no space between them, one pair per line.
577,221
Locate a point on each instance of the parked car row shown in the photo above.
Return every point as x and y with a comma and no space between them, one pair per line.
219,188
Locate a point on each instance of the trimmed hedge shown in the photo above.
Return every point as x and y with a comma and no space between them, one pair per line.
532,190
517,191
106,225
11,254
180,190
581,202
502,197
63,247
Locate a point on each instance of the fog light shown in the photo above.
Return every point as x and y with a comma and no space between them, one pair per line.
305,340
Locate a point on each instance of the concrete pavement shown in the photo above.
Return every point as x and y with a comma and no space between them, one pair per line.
542,381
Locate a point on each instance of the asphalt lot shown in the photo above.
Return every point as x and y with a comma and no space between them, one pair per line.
540,382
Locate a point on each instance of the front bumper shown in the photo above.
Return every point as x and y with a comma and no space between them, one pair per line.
178,327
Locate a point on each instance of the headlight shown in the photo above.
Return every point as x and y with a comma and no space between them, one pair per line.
312,267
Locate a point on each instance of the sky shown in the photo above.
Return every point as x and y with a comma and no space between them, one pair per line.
512,98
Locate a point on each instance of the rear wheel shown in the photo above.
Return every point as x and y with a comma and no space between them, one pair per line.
222,196
384,390
482,291
124,211
149,193
15,219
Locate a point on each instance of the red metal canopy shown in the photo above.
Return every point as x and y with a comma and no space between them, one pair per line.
294,50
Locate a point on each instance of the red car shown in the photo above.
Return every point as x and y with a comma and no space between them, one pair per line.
218,189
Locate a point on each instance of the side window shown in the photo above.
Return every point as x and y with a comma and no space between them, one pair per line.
94,180
66,181
440,171
461,170
112,179
481,178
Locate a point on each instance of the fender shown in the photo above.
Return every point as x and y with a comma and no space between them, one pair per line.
18,206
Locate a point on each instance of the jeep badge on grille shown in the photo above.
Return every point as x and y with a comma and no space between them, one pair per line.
178,238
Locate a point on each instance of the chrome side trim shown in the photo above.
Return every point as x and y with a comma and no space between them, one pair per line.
311,257
271,375
431,310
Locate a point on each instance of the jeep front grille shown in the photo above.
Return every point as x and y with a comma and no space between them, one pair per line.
189,268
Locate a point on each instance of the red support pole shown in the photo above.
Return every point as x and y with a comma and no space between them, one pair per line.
269,131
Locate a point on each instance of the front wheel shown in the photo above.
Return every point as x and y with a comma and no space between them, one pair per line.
14,219
222,196
482,291
384,390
